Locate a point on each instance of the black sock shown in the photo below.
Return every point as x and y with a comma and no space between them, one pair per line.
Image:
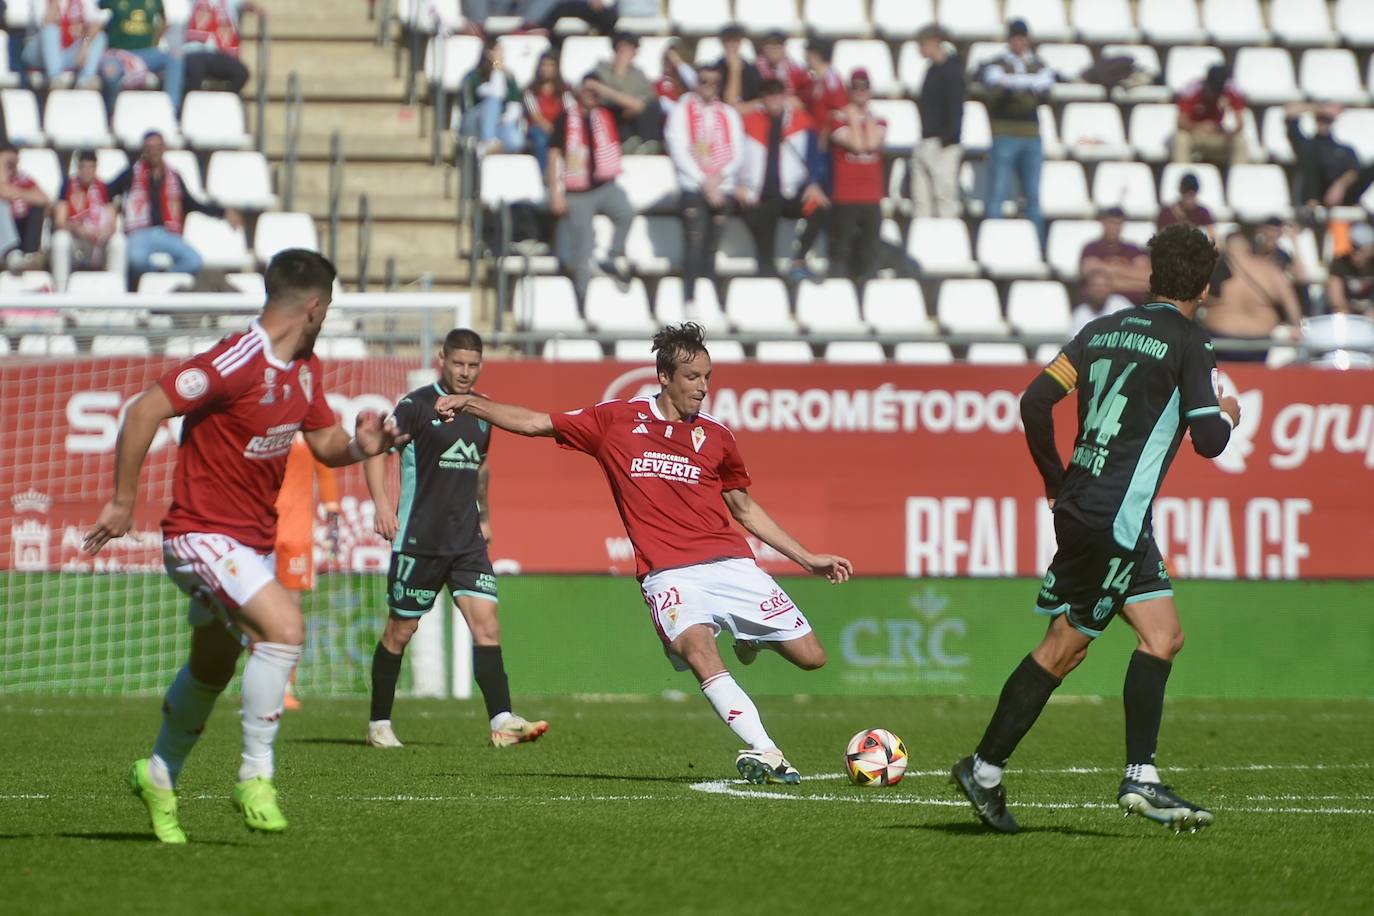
1143,697
490,672
1023,696
386,670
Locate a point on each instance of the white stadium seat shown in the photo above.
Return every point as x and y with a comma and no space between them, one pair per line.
970,306
609,310
4,346
1274,133
1146,60
511,179
1065,246
1331,75
1064,190
111,163
1092,131
1050,146
1187,63
1167,22
341,347
653,246
1128,185
941,247
1045,18
1302,22
826,17
873,56
520,54
20,111
1257,192
650,182
546,304
896,306
1101,21
903,123
1038,307
735,254
902,18
1010,248
727,351
184,347
185,163
931,353
219,244
633,351
1355,127
1355,24
119,345
759,16
970,19
829,307
240,178
1265,76
669,307
911,67
255,285
450,58
709,50
136,113
1209,192
1067,60
276,232
996,354
103,283
430,16
214,120
564,349
1234,22
855,352
156,284
75,119
29,281
977,128
982,53
784,351
759,305
43,167
582,54
47,345
1151,130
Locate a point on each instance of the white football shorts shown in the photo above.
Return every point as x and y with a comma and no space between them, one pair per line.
218,573
729,594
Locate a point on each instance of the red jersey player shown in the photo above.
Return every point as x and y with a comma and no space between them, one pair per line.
243,402
674,472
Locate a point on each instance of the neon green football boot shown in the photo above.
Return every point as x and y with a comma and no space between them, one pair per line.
256,799
161,804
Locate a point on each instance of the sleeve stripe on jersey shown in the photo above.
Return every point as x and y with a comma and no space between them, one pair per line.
1202,411
1063,372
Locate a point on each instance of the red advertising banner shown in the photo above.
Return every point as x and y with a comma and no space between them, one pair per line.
908,470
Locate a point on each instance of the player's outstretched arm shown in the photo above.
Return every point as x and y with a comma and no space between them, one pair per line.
372,436
136,434
762,526
510,417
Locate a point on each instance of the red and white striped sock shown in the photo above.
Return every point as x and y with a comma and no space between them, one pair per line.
733,705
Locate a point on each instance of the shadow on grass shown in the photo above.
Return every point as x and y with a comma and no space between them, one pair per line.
617,777
965,828
358,742
107,836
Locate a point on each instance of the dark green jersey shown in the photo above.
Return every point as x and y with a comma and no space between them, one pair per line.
1143,375
438,507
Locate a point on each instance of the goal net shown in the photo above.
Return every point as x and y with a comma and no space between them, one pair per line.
114,623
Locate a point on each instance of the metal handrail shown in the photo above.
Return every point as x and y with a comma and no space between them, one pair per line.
264,46
390,283
364,241
336,182
295,103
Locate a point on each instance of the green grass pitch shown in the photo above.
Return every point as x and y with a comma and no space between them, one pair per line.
629,806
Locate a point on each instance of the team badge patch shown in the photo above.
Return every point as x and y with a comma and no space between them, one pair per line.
192,383
698,437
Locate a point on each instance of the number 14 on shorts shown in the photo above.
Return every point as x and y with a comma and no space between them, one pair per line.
1118,581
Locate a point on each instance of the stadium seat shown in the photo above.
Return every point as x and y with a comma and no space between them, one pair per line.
1257,192
213,120
19,109
4,346
240,179
1102,21
903,124
278,231
727,351
110,164
1302,22
927,354
1265,76
1128,185
1355,126
870,54
709,50
1092,131
980,54
102,283
970,307
1069,61
670,309
1331,75
941,247
650,182
735,254
220,245
1274,133
633,351
757,305
1187,63
831,19
1234,22
977,128
1355,24
896,306
784,351
829,307
546,304
609,310
431,16
996,354
29,281
136,113
520,54
1209,186
568,350
855,352
43,167
1146,60
654,245
75,119
341,347
894,19
911,68
1050,146
760,16
1010,248
1168,22
186,165
1065,246
511,179
1044,17
450,58
184,347
649,57
1064,190
47,345
1038,307
1045,353
119,345
1152,129
156,284
970,19
582,54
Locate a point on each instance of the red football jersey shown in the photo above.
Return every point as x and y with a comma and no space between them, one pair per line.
666,478
243,407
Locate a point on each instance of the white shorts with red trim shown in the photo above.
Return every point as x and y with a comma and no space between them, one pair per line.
729,594
217,572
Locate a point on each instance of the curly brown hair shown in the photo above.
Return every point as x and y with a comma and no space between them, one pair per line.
677,344
1182,259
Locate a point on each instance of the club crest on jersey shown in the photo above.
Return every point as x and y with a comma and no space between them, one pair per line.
269,381
307,382
698,438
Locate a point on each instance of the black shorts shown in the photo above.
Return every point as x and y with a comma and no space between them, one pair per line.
414,581
1092,576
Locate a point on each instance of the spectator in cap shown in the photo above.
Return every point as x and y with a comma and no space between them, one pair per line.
83,222
1095,299
1187,209
1204,130
1350,287
1126,267
773,63
856,139
935,161
742,78
626,91
1248,298
1329,172
1017,82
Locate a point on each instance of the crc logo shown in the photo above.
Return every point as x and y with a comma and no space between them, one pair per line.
921,648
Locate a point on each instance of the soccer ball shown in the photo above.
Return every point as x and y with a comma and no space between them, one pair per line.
875,757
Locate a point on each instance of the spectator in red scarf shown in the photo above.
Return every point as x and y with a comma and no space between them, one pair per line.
706,142
678,79
211,48
155,202
856,139
544,102
23,206
83,221
70,40
584,162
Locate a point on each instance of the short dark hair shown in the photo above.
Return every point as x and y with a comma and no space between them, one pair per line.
677,344
1182,259
150,134
298,270
86,155
931,33
462,339
823,48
